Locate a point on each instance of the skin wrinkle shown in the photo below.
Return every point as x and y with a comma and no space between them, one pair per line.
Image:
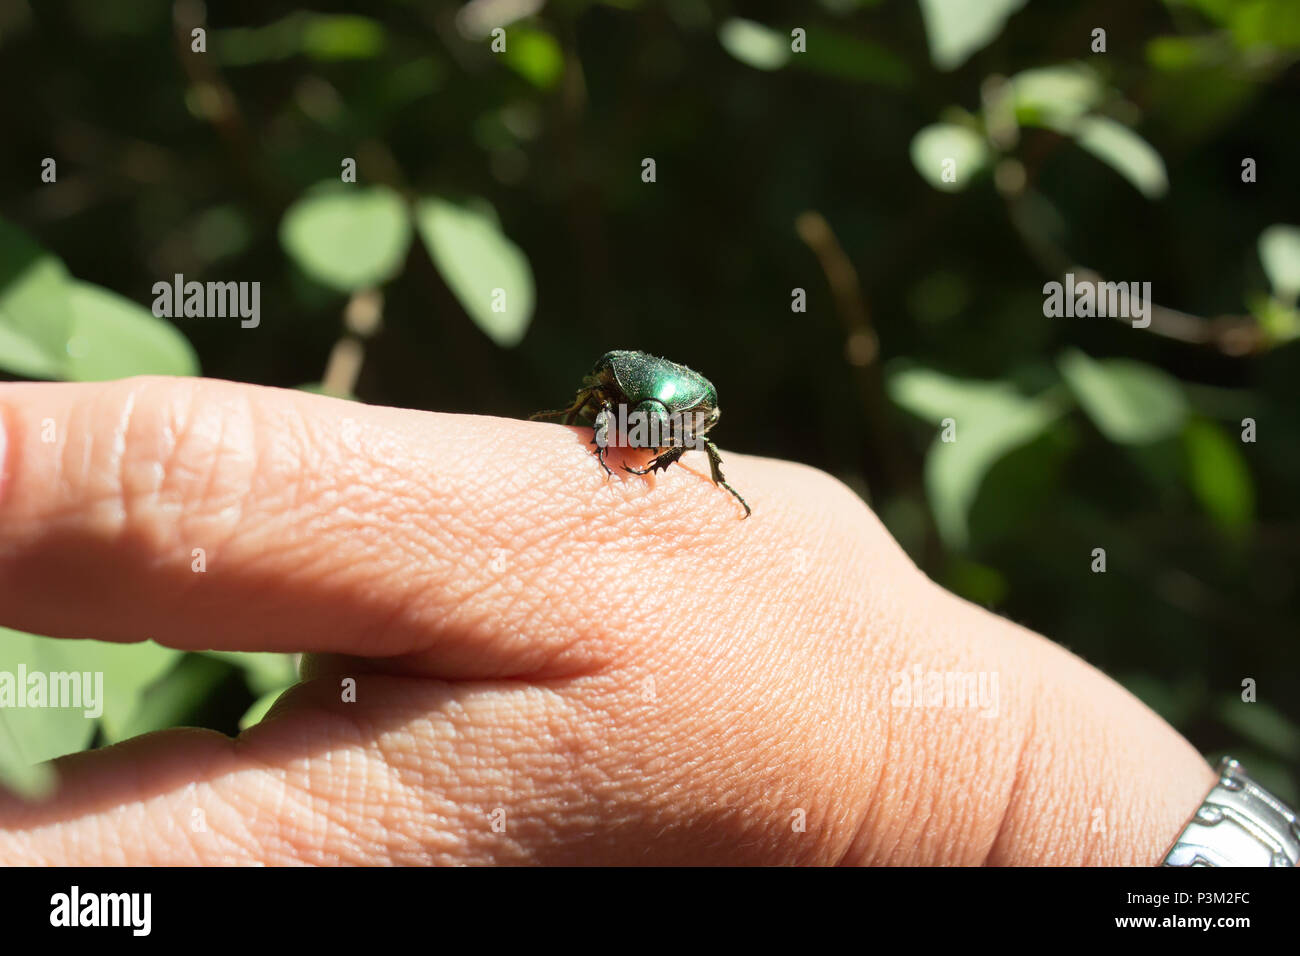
1016,786
352,747
198,526
244,750
238,496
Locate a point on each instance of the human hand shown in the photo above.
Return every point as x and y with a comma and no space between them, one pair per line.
550,667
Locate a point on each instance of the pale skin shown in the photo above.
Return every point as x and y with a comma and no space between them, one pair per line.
550,666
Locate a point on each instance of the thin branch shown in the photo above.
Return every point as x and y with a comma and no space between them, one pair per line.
861,344
1234,335
362,317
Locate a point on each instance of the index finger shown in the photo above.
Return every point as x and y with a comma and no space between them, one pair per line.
208,514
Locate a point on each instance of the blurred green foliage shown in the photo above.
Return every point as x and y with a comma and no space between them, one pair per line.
520,170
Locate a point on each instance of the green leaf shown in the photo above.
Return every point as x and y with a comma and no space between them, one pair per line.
170,702
1279,320
30,780
1218,475
35,313
1055,94
1130,402
264,672
955,470
323,37
259,709
1262,725
934,396
990,420
535,56
1279,251
1264,24
478,263
754,44
1125,152
957,28
348,237
976,582
114,337
1176,53
934,145
23,356
40,733
129,670
342,37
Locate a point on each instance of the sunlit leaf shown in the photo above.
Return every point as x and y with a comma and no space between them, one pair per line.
44,732
946,148
934,396
320,36
1218,475
35,311
477,19
1129,402
754,44
988,420
348,237
1055,94
114,337
342,37
1125,152
489,274
30,780
957,28
259,709
1267,24
535,56
23,356
1279,251
128,669
1175,53
1280,321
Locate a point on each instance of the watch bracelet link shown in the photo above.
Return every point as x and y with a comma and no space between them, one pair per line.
1238,824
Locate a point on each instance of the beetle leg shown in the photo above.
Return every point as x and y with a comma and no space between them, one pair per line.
579,405
600,434
715,468
580,402
660,462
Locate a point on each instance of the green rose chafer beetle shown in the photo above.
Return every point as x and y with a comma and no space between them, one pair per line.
673,406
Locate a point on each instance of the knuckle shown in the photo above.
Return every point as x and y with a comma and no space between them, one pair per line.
183,458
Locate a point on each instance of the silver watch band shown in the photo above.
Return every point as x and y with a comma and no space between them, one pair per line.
1239,824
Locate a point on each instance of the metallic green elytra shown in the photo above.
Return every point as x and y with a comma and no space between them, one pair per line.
675,405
